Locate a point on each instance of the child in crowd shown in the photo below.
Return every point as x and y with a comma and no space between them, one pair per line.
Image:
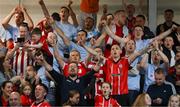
26,95
174,101
105,100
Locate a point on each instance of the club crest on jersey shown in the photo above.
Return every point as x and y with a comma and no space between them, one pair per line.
80,71
120,66
77,81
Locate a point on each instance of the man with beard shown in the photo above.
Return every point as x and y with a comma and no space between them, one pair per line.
65,84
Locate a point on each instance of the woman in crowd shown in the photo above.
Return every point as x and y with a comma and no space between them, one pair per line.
6,89
174,101
143,100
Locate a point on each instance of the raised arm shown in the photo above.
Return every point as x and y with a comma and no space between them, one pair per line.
53,24
124,4
163,56
27,18
100,40
144,61
115,37
10,53
72,14
43,6
132,57
91,51
58,57
166,33
6,20
103,17
60,32
55,75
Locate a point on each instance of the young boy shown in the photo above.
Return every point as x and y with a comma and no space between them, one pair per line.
105,100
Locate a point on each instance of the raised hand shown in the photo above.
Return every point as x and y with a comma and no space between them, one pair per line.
105,9
50,20
80,42
23,9
174,27
70,3
41,2
92,41
178,33
103,22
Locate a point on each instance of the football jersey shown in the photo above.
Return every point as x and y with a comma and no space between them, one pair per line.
100,101
116,73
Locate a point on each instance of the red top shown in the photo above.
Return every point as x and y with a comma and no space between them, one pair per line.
117,74
42,104
99,76
100,101
4,102
82,69
89,6
131,23
45,45
26,100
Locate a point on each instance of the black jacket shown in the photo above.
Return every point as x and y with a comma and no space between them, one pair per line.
65,84
163,91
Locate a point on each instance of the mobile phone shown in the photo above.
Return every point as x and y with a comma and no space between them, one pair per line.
20,40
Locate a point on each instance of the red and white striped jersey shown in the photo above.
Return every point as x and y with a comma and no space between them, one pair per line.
99,78
116,73
20,61
100,101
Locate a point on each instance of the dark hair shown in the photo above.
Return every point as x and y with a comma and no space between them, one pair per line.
117,45
36,31
118,11
38,52
169,10
141,16
55,16
83,31
177,62
64,7
72,93
159,71
5,83
138,26
33,67
108,84
110,14
44,86
90,18
24,24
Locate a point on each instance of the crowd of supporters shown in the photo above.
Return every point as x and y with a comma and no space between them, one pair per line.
117,61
